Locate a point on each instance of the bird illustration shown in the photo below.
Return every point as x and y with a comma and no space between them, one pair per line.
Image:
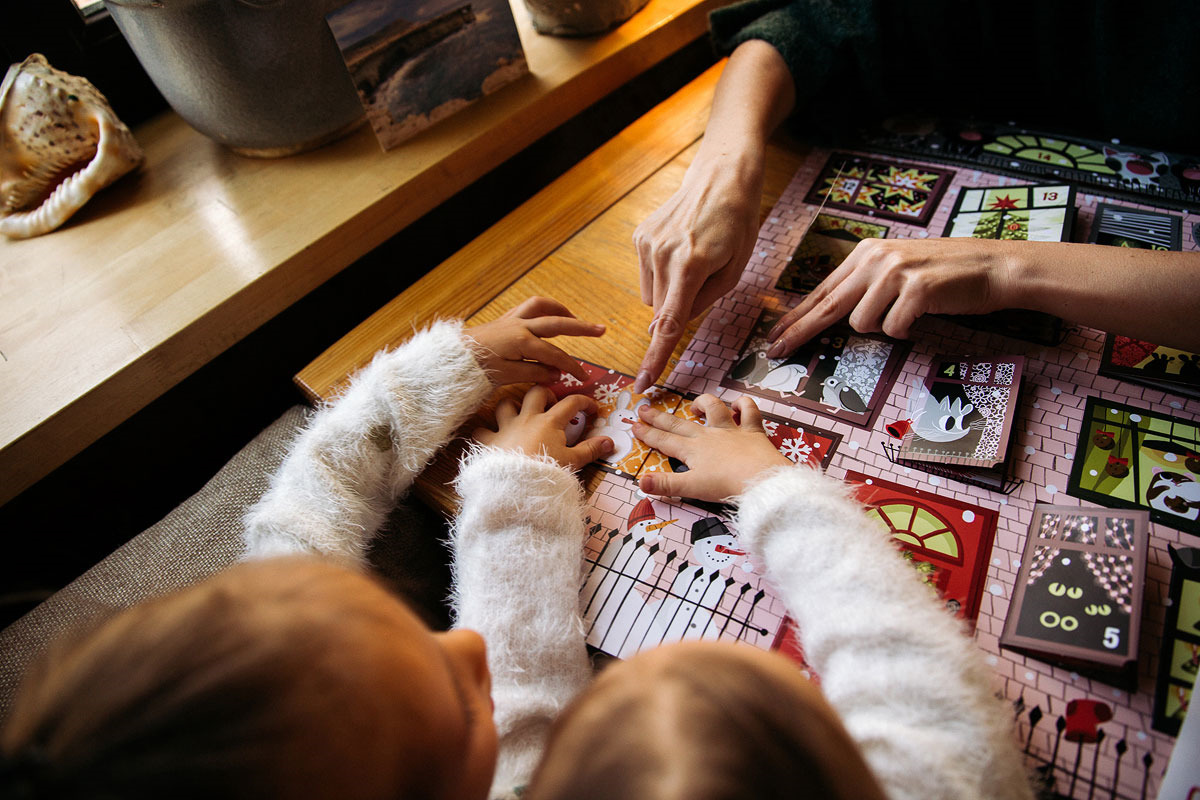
840,397
785,378
752,368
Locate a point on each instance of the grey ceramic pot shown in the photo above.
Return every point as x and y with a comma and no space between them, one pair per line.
580,17
263,77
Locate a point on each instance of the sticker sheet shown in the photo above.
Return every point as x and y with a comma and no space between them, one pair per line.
828,241
1131,457
1078,596
946,540
1042,213
841,373
879,187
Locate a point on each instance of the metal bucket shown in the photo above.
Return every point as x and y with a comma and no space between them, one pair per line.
580,17
263,77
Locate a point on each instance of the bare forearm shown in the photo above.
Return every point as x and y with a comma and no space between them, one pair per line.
754,95
1147,294
692,249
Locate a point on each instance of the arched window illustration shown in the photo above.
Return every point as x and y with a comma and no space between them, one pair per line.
921,529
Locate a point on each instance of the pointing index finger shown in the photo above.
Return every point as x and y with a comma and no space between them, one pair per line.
549,327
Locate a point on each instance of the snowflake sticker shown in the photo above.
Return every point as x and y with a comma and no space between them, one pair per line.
771,427
796,450
607,392
568,379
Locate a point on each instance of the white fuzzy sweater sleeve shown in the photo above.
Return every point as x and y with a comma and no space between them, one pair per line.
361,452
518,553
910,687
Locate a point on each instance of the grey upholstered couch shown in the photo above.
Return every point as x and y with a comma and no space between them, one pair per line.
202,536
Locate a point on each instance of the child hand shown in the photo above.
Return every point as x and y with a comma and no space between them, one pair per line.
723,456
535,429
511,350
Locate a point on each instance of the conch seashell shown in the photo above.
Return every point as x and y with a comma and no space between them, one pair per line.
60,143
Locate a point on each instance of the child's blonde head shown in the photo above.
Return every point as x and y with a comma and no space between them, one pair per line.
702,721
284,678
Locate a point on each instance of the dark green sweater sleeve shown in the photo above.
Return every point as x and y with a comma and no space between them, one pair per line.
1094,70
816,38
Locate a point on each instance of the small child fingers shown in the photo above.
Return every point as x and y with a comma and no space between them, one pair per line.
714,410
483,435
536,399
506,411
566,408
528,372
534,349
589,450
664,421
666,442
747,413
540,306
549,327
666,484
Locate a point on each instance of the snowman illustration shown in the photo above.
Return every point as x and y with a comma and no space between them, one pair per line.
618,426
615,589
713,544
689,610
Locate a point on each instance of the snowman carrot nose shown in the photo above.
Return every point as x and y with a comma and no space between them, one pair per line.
660,525
729,550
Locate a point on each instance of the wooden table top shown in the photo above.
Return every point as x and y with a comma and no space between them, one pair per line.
572,241
166,269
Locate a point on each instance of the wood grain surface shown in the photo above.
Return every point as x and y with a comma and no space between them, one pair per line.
572,241
473,277
170,266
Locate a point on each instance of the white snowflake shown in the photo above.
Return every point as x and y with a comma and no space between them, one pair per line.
795,449
606,392
771,427
568,379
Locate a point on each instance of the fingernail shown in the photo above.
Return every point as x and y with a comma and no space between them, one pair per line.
775,350
606,446
652,326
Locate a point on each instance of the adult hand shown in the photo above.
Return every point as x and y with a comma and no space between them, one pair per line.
723,456
511,349
534,429
885,284
692,250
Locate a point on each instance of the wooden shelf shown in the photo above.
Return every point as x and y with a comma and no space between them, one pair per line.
166,269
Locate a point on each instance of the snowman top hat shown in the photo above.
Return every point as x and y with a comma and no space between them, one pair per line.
707,527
